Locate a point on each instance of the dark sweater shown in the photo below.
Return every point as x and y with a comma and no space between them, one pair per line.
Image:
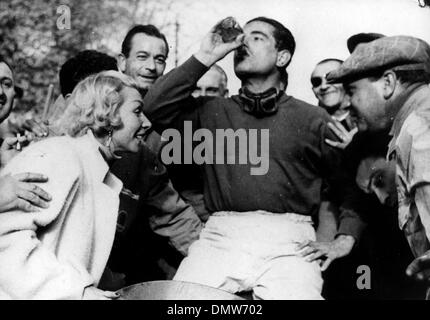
299,159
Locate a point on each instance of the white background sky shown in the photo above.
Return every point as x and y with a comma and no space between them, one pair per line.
320,27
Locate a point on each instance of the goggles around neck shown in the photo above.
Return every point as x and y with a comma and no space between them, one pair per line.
260,104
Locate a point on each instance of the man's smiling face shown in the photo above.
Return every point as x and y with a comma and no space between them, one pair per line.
367,104
7,91
328,95
147,59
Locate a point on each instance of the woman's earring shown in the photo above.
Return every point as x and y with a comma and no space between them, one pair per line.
109,139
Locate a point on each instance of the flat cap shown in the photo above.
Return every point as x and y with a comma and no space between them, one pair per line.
354,40
397,53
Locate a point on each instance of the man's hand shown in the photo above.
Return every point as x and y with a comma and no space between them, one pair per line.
213,48
326,252
11,147
37,128
29,124
419,269
344,135
92,293
18,192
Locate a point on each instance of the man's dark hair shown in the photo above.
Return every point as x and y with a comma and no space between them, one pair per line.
84,64
412,76
149,30
283,37
366,145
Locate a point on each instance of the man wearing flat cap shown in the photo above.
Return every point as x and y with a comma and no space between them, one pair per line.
387,80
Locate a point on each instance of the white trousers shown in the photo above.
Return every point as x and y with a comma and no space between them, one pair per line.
243,251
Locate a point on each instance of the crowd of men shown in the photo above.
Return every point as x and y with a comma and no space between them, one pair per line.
345,178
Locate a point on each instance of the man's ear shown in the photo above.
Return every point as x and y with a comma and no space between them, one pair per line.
121,62
284,57
389,79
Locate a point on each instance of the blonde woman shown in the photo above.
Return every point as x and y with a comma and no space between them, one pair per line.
61,251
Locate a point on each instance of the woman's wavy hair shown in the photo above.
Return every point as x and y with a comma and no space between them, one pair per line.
94,104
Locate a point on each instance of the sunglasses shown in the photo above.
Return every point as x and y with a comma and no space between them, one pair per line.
317,81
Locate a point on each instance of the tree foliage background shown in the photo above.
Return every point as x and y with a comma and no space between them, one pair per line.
29,35
30,38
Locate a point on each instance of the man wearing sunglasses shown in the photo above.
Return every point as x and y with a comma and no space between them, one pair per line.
331,97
